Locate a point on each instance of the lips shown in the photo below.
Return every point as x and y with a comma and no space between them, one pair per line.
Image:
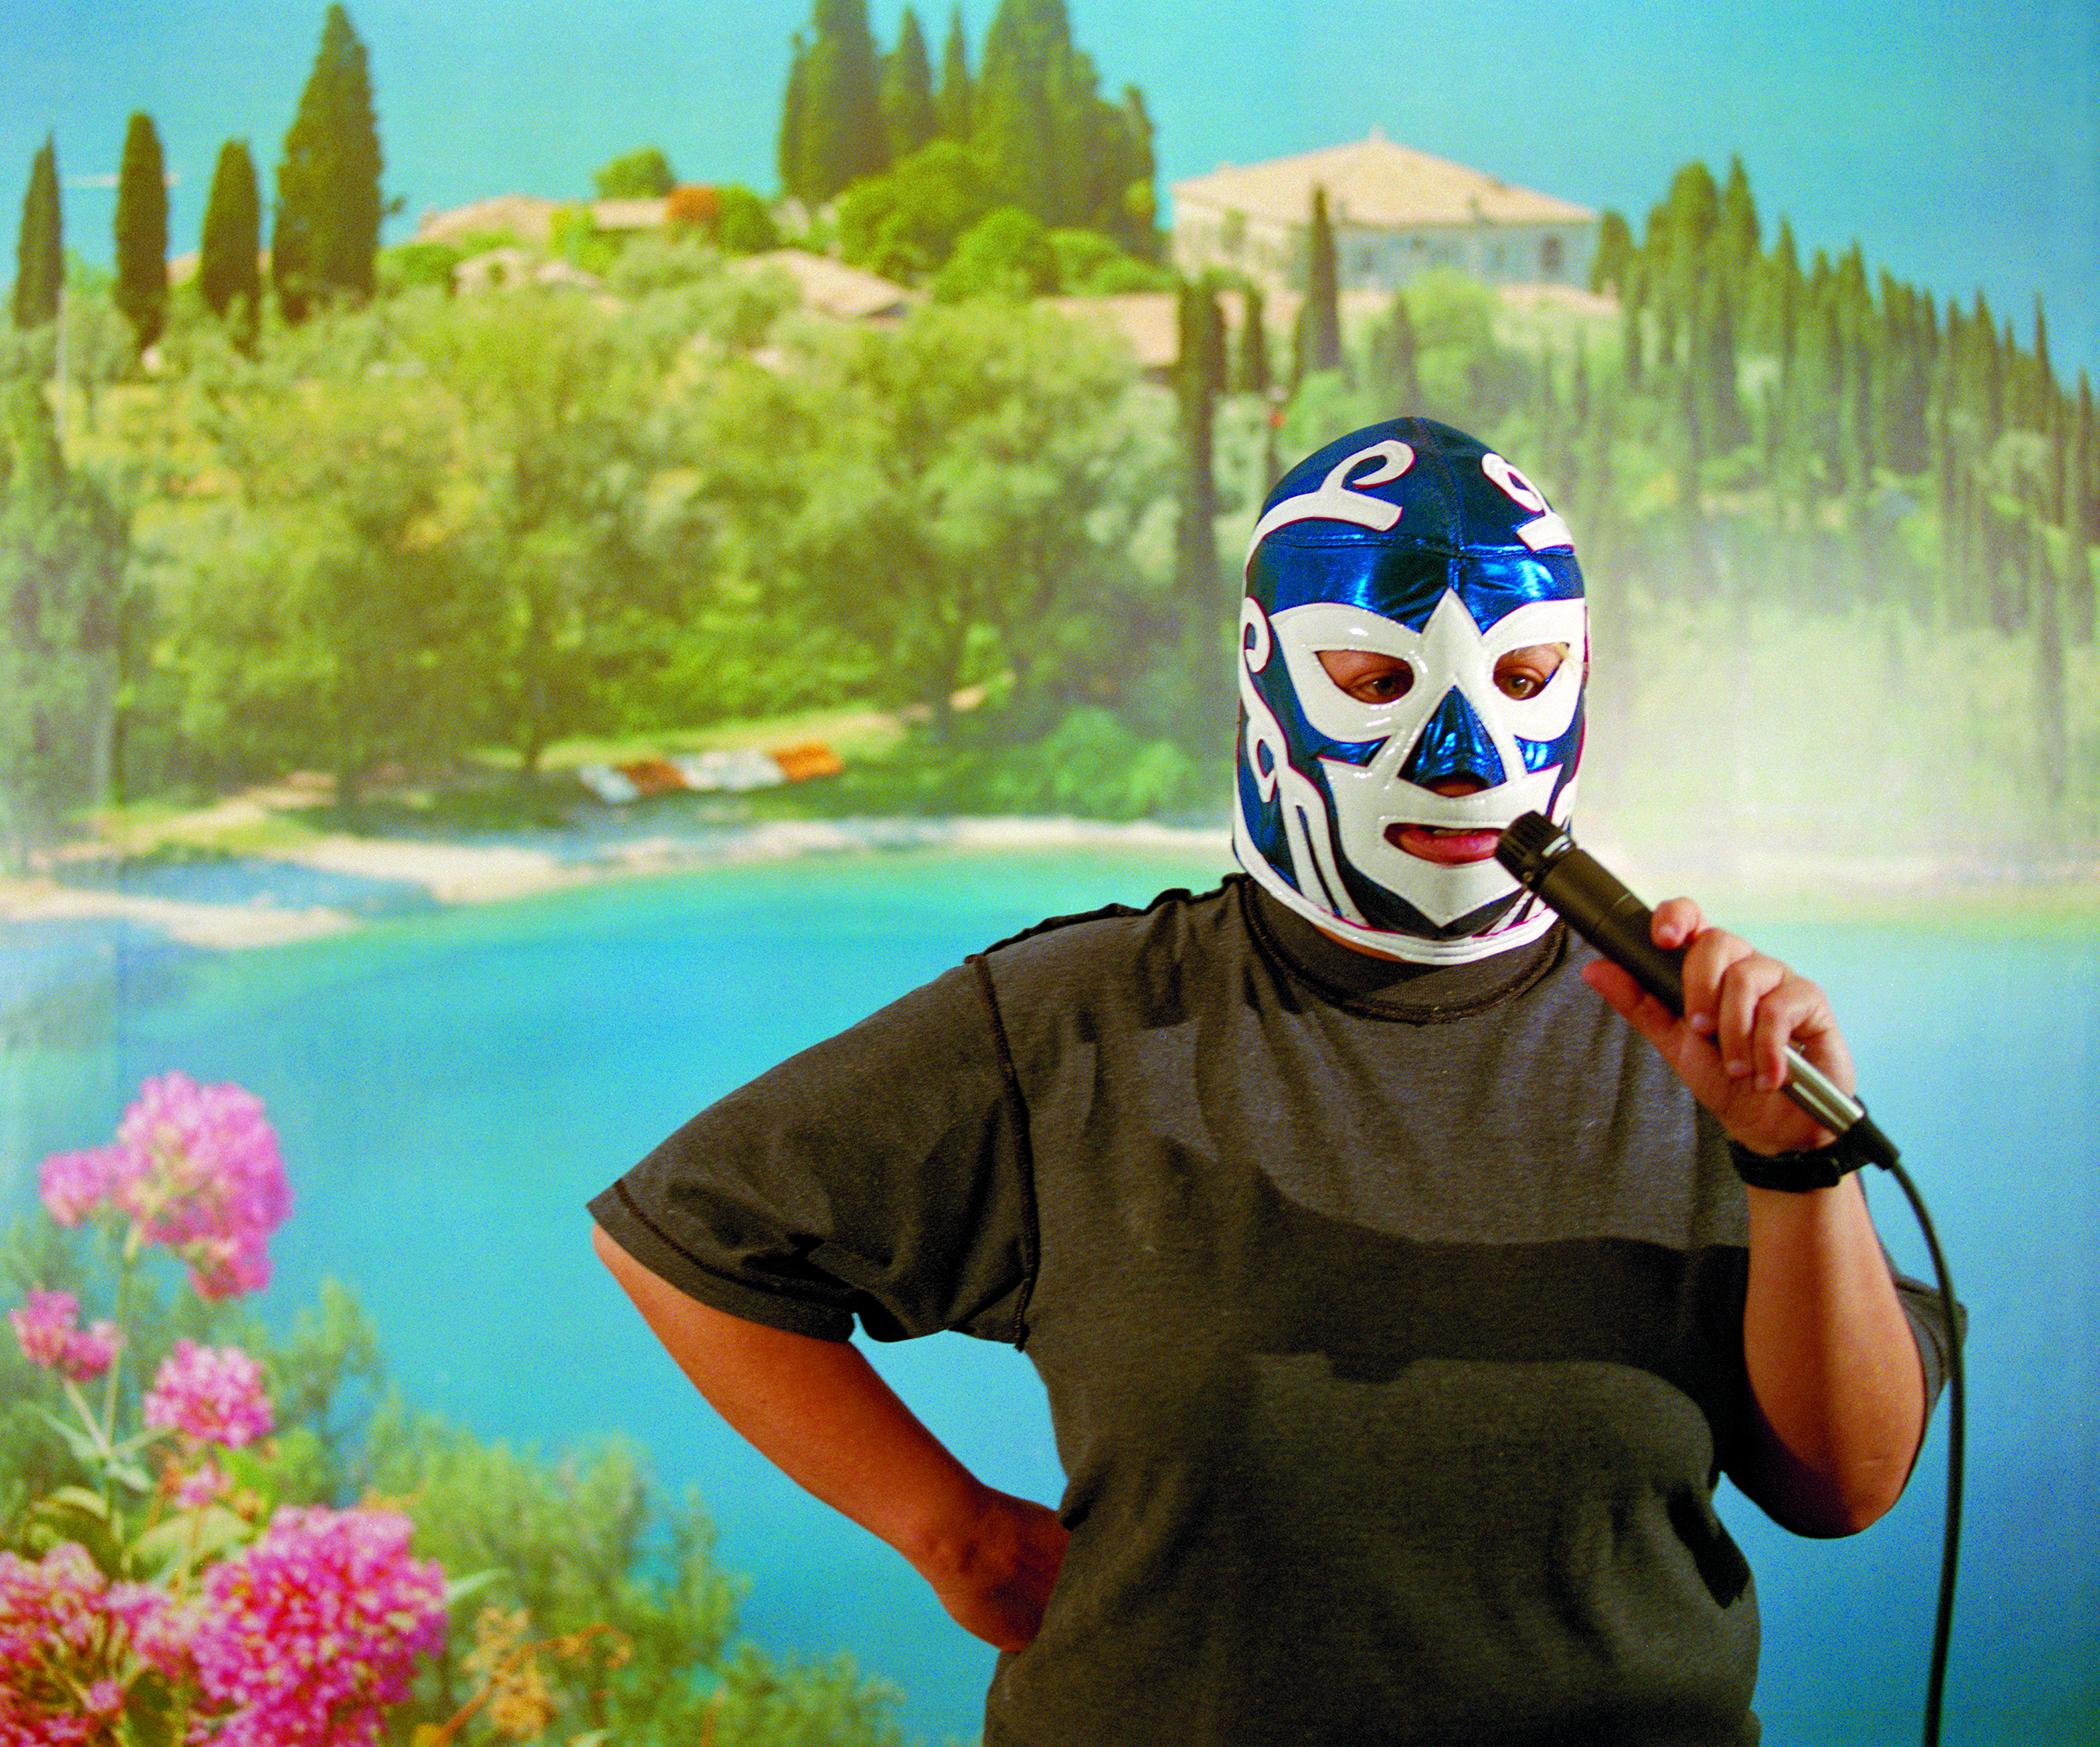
1450,847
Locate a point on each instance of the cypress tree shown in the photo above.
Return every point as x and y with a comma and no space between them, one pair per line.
908,116
1721,407
40,262
1614,253
954,103
1632,345
2041,408
1737,233
840,101
328,200
228,260
142,232
1393,361
2075,456
2050,725
1196,373
1320,316
1014,120
791,149
1251,369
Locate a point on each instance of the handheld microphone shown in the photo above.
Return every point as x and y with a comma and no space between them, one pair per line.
1546,862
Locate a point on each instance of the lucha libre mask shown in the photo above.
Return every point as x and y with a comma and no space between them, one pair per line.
1414,542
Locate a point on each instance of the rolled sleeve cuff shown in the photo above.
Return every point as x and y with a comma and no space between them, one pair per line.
634,1231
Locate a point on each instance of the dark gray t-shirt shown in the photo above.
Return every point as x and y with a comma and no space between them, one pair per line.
1391,1319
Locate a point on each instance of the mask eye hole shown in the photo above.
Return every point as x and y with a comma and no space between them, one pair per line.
1524,673
1367,676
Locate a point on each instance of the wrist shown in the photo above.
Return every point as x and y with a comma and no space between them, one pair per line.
945,1536
1796,1172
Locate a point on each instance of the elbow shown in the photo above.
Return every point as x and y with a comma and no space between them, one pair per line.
1828,1508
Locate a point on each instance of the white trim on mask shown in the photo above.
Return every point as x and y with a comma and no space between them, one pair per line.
1443,893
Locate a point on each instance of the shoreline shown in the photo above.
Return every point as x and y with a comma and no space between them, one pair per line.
335,882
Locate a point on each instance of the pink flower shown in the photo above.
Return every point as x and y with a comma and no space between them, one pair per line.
199,1487
211,1185
45,1326
313,1630
62,1626
73,1185
212,1395
159,1629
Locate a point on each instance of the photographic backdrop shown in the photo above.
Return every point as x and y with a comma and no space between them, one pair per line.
557,554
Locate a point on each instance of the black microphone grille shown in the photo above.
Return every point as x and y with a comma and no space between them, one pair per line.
1529,843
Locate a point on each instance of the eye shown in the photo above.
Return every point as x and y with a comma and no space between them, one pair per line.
1368,677
1524,673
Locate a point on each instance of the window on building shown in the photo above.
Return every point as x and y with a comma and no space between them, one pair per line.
1549,257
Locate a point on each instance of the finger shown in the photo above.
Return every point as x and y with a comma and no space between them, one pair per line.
1795,1008
1632,1003
1676,920
1706,961
1745,985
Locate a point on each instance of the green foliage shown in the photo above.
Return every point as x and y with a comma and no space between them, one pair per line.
1092,265
906,223
142,231
837,103
908,117
958,492
1319,335
642,174
744,224
328,630
1615,253
328,201
1006,253
1052,144
953,103
413,265
229,264
39,249
63,552
1250,364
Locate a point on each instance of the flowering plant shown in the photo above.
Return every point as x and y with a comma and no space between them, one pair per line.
183,1610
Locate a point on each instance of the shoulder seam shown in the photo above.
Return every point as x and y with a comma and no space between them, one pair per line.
1033,1231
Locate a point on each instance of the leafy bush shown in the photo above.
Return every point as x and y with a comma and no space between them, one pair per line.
1006,254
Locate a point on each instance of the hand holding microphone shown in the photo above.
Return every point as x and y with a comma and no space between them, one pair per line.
1756,1043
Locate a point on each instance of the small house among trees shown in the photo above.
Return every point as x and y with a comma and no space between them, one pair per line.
1395,211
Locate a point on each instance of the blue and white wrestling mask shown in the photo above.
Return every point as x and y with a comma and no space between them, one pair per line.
1413,647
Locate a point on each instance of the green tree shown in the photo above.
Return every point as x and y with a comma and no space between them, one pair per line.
953,102
1025,47
953,499
839,101
328,201
1006,253
909,119
40,265
325,625
1615,253
63,553
642,174
1250,369
1737,237
142,231
1198,368
229,263
791,150
553,565
1319,336
1395,378
906,222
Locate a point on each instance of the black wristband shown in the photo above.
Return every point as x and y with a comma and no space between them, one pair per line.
1821,1167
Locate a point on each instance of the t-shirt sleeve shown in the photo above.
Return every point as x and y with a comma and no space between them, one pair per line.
881,1174
1927,1315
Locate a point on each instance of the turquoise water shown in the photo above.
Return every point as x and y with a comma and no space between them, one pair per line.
450,1089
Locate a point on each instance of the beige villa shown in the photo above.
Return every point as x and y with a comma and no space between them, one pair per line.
1395,212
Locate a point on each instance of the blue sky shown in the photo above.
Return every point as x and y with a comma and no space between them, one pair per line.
1960,142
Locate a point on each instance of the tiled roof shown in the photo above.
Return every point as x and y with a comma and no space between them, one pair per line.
1375,182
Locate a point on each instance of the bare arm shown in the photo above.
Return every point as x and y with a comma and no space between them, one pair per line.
819,1412
1835,1377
